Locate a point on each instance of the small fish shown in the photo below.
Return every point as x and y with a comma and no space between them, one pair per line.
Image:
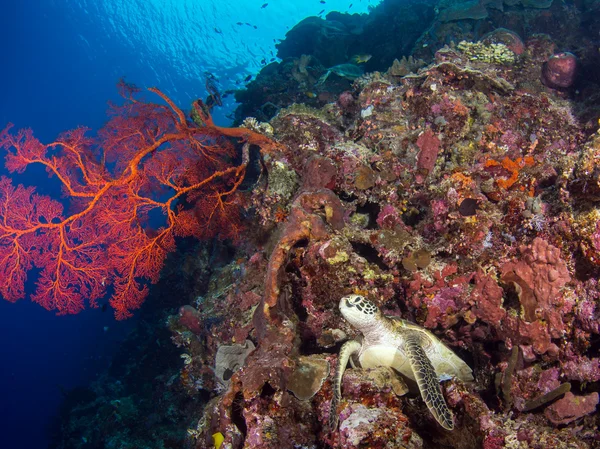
218,31
263,61
360,59
249,24
272,59
322,11
218,439
255,27
105,328
310,94
264,6
248,78
239,23
350,6
322,2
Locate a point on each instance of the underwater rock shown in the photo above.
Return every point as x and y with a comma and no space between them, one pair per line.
326,39
429,144
472,10
364,427
582,369
585,180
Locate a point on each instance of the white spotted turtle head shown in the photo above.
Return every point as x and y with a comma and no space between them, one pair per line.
359,311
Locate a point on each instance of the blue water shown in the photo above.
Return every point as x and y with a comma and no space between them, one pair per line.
60,62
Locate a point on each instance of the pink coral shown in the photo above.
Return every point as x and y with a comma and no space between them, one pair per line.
440,210
582,369
319,172
190,319
588,314
596,237
571,407
560,70
346,101
540,275
388,217
429,145
487,299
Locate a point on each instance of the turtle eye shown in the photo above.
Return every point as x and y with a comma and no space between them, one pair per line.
354,299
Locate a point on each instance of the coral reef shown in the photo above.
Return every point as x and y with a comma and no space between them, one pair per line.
145,398
449,197
457,191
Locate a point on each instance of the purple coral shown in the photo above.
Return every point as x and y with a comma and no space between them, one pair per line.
443,307
388,217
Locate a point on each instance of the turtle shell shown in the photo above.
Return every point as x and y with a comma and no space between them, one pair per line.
392,352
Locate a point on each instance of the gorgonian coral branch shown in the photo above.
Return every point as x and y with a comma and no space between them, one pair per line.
148,157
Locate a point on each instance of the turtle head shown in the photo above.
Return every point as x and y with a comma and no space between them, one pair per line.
359,311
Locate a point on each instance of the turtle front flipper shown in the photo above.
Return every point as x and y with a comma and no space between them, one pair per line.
348,349
428,382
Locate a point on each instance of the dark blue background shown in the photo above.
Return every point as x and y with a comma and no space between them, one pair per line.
48,82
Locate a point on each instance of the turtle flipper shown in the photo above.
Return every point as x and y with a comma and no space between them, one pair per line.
323,78
428,382
348,349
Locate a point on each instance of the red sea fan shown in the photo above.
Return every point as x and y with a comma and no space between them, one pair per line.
139,163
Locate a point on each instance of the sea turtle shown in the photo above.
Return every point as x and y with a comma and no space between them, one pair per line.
411,350
348,71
